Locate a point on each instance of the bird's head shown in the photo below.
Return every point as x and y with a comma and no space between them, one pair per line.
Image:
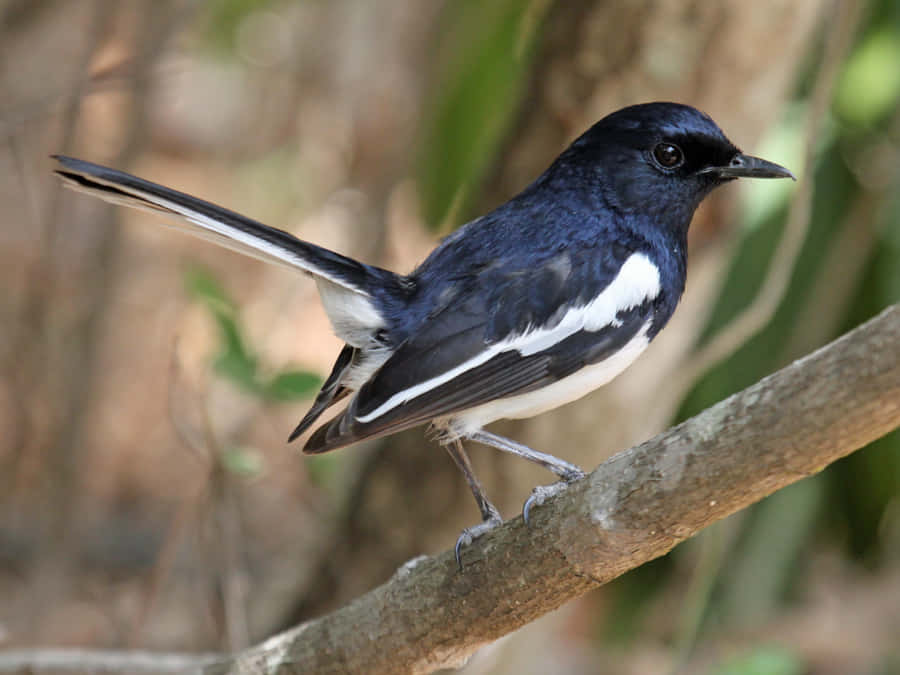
660,160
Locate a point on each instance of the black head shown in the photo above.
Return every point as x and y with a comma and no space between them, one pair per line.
660,160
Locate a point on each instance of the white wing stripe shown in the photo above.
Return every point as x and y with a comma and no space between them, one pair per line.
637,282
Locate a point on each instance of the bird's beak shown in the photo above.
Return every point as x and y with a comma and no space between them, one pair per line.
747,166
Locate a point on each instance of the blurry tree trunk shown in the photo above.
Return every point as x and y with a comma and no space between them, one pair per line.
64,377
594,58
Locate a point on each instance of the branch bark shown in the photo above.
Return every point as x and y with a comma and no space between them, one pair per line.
634,507
631,509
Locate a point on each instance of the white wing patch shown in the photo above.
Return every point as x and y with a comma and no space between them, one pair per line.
637,282
353,317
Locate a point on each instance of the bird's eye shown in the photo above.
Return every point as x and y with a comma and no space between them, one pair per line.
667,155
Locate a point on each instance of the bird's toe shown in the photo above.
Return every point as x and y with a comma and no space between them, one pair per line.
542,493
470,534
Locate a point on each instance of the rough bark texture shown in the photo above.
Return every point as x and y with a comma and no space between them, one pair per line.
633,508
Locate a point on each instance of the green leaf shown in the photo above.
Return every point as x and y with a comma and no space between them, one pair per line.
245,462
869,87
235,360
323,469
291,385
224,18
203,286
763,661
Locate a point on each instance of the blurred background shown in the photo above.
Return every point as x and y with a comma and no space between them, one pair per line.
148,498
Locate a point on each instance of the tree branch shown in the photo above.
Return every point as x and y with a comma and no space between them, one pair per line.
633,508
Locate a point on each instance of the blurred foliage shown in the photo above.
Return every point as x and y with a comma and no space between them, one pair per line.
856,137
766,200
632,596
868,91
489,48
236,361
290,385
763,661
855,214
224,18
327,471
244,462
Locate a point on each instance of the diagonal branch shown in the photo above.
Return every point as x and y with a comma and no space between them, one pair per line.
631,509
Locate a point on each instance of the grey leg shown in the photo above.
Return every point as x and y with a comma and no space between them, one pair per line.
490,516
569,473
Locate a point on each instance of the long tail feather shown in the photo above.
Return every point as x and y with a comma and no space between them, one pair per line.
349,288
209,221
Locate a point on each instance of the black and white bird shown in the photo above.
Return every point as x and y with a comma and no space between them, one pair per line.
531,306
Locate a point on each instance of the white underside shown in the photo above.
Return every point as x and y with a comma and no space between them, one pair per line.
554,395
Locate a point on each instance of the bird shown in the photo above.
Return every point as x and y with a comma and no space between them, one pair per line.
533,305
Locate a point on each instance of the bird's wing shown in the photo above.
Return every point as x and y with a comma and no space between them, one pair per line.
458,361
346,285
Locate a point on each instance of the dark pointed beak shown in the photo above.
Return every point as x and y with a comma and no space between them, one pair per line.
747,166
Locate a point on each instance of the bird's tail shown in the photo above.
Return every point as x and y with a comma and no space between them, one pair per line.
352,292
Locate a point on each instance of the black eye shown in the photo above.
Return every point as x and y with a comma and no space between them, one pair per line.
668,156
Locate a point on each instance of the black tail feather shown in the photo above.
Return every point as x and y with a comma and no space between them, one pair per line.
330,393
224,226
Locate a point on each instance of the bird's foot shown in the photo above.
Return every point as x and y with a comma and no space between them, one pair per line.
470,534
542,493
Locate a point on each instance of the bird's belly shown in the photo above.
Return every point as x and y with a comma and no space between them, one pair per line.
553,395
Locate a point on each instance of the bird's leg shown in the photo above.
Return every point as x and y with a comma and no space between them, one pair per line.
567,472
562,468
490,516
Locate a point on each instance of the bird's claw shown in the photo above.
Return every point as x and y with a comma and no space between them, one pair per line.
542,493
470,534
